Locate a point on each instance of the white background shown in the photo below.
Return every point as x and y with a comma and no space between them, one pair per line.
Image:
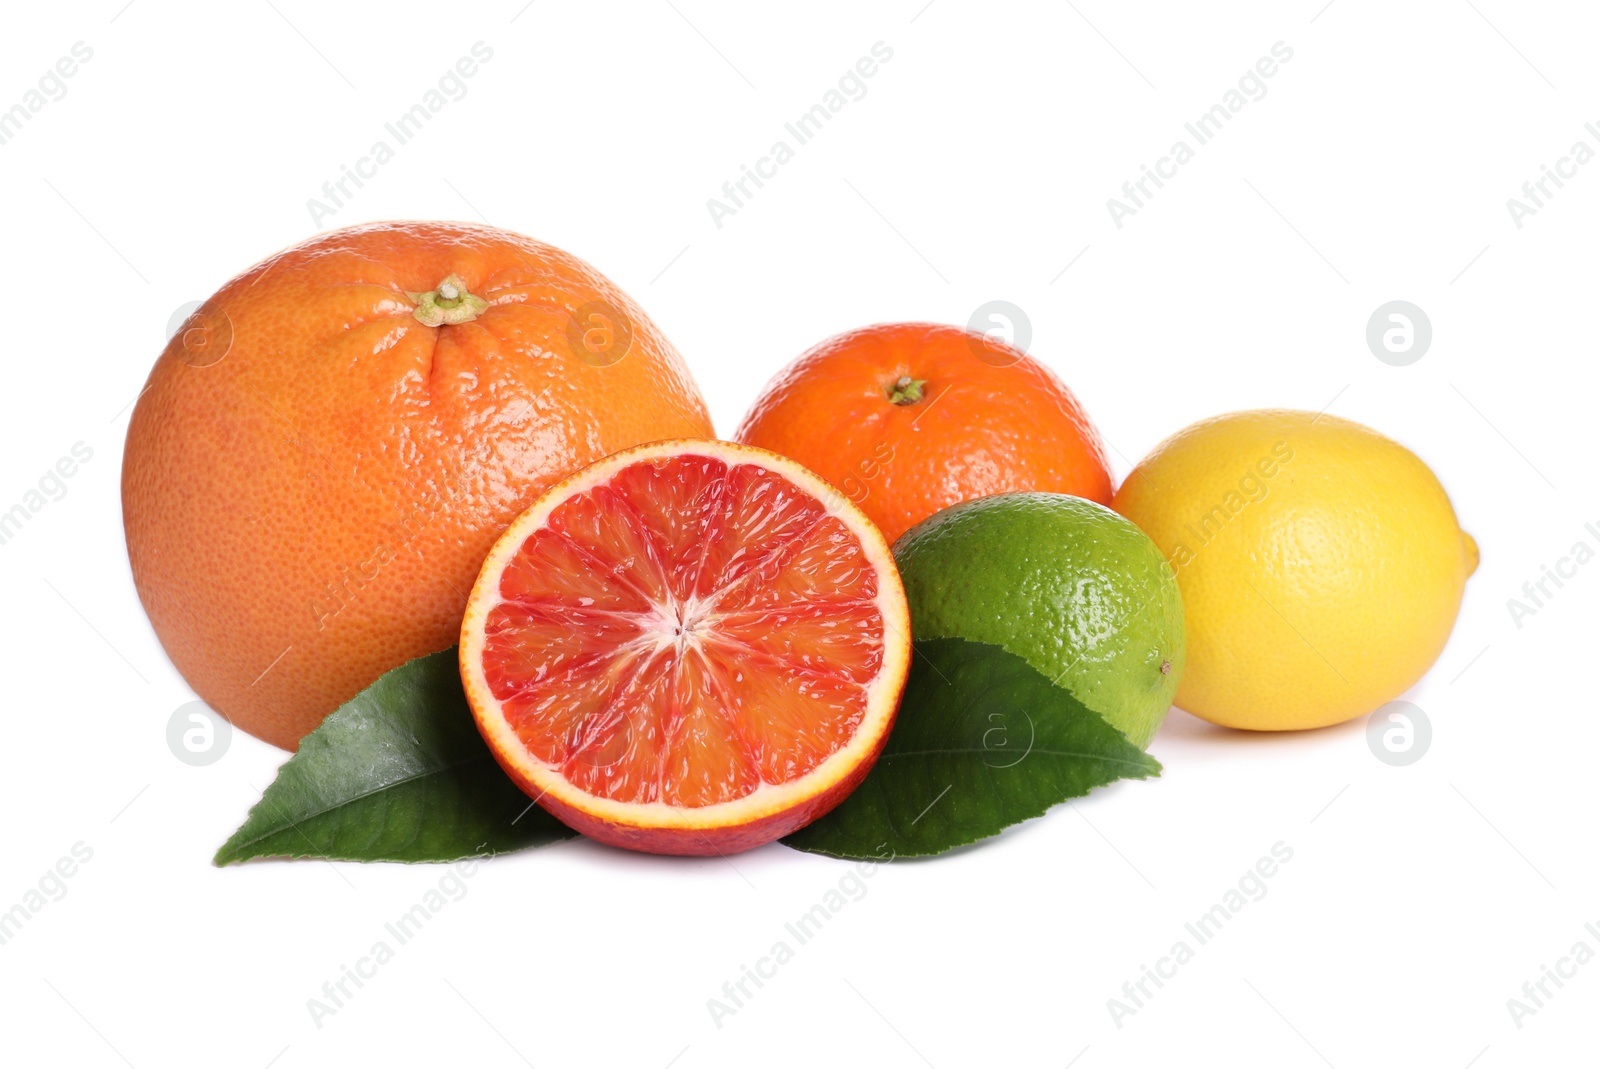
977,167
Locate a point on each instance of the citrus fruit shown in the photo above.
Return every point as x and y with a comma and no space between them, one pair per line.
1321,564
1069,586
324,453
907,418
691,647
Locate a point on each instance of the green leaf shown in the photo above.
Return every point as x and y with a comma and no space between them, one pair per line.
398,773
983,741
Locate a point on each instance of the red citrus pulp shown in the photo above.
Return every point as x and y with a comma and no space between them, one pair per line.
691,647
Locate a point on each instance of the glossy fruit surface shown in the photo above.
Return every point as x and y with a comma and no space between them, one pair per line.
1066,584
1322,565
691,647
908,418
325,452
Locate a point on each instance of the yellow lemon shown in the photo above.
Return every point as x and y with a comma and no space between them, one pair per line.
1321,564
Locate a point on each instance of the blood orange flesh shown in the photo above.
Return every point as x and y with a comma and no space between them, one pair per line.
691,647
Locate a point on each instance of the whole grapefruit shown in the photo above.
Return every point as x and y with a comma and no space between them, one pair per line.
909,418
325,453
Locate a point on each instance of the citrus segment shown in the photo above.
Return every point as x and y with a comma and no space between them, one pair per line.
690,647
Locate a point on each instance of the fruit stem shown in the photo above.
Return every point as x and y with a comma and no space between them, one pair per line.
447,304
906,390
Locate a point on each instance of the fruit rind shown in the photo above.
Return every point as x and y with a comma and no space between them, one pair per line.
1326,593
1111,577
311,477
962,426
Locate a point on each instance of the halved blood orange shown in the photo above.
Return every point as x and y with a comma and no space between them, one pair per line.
691,647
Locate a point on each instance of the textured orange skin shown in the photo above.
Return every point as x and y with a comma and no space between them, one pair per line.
979,429
707,842
311,510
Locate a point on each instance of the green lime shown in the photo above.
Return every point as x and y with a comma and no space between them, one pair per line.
1069,586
